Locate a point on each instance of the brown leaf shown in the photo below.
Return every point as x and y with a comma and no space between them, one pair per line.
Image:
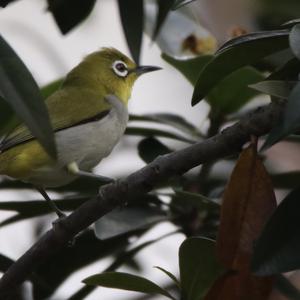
241,285
248,202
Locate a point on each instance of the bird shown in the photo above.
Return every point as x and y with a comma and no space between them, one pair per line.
88,114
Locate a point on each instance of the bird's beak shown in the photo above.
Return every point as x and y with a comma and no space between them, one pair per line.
139,70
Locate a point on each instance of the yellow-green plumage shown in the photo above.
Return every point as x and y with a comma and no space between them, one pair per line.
82,96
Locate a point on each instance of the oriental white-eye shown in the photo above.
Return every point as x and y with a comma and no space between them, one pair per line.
88,115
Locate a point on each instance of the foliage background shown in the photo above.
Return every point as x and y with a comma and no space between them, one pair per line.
49,55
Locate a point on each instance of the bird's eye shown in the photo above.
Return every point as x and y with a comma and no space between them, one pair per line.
120,68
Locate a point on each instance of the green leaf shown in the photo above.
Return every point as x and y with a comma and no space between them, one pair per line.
294,40
253,37
69,13
164,7
50,88
172,120
198,267
276,88
189,68
129,219
124,257
289,71
290,121
170,275
203,203
277,249
235,54
129,282
19,89
150,132
230,94
286,288
86,250
132,18
150,148
180,3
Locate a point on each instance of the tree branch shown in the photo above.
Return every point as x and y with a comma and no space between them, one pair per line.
228,142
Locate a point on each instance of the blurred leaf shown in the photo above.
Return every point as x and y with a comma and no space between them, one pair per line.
132,18
198,267
20,90
231,57
7,117
3,3
196,200
291,23
228,95
150,132
248,202
287,180
128,219
127,282
286,288
240,286
189,68
172,120
129,254
69,13
170,275
82,185
290,121
180,3
5,263
277,249
86,250
276,88
254,37
35,208
150,148
294,39
50,88
124,257
164,7
38,206
289,71
231,93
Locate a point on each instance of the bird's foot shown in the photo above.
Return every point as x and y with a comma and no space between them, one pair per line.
73,169
50,202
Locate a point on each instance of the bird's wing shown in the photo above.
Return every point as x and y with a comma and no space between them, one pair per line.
67,107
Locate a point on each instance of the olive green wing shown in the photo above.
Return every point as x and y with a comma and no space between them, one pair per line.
67,107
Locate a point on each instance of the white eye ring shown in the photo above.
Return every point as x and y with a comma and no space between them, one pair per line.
120,68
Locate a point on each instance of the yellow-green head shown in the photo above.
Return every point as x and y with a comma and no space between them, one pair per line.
107,69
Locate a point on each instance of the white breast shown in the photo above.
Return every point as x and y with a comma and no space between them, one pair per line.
89,143
85,144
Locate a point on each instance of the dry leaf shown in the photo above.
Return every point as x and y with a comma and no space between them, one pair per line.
240,285
248,202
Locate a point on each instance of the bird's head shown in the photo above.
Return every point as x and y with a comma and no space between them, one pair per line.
108,71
